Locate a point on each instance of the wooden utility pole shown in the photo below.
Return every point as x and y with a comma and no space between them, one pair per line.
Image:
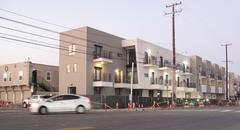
227,91
173,49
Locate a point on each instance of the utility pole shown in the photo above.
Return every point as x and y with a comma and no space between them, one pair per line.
226,49
131,91
173,45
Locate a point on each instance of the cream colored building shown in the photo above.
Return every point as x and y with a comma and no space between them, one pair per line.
99,63
21,80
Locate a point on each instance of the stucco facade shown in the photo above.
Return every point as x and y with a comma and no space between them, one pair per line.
21,80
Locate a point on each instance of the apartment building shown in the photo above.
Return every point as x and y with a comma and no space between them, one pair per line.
89,65
21,80
154,72
209,78
99,63
233,85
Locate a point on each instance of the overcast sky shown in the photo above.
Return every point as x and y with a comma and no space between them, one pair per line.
201,27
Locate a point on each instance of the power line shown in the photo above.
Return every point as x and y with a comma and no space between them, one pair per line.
50,23
53,47
53,31
51,38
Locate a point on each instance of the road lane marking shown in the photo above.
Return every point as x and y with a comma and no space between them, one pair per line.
81,128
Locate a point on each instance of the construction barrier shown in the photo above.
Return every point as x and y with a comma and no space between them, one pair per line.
6,104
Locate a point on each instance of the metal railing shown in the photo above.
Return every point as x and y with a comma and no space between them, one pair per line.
102,54
150,61
103,77
159,81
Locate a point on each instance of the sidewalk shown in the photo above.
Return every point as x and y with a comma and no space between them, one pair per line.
20,109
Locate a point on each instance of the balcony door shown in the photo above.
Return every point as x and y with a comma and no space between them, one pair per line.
97,51
97,73
118,76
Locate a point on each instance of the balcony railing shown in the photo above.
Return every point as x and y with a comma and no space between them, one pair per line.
212,76
107,77
160,81
179,67
103,54
203,73
150,61
187,70
192,85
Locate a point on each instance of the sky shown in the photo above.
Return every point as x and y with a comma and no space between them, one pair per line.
201,27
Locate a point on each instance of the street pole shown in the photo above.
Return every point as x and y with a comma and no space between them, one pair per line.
226,49
131,92
174,49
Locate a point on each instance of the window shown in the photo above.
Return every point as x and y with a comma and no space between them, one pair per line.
48,76
166,79
58,98
187,82
72,90
178,81
137,92
5,77
131,56
161,62
152,78
145,58
68,68
20,75
146,75
97,51
150,93
129,74
75,68
97,73
10,76
70,97
71,49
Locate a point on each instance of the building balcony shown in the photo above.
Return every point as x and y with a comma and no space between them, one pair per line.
180,88
186,72
102,84
191,90
202,74
204,88
165,66
149,62
220,90
122,85
104,80
104,57
213,89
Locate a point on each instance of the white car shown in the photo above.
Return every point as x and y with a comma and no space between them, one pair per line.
33,99
62,103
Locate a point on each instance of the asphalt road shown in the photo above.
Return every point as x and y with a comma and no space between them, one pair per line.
181,119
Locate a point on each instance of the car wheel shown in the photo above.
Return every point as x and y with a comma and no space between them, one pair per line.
80,109
43,110
24,105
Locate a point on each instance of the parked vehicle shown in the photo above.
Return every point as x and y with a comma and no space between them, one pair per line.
62,103
34,99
